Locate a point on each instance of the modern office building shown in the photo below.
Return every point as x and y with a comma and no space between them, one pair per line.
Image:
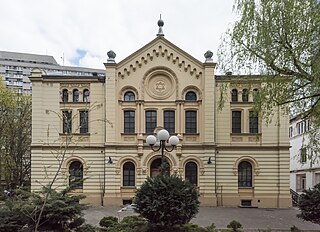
15,69
304,163
96,127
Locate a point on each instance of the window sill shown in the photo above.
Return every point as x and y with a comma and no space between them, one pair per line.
191,133
74,134
246,134
241,102
74,102
128,187
124,133
77,191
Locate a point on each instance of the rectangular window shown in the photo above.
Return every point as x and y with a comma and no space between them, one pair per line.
151,121
191,122
84,123
169,121
236,121
67,121
303,155
253,122
301,182
316,178
129,121
290,132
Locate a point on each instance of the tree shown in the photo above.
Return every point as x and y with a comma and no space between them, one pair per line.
15,137
280,40
309,205
166,201
62,211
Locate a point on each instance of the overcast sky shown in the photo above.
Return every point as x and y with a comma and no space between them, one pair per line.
83,31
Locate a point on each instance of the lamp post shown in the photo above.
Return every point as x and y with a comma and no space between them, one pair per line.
163,136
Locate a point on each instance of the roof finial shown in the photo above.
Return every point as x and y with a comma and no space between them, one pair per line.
160,24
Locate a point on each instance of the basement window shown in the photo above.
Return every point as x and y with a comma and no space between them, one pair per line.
246,203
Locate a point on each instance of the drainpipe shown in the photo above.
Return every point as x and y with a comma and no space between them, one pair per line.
278,144
104,147
215,143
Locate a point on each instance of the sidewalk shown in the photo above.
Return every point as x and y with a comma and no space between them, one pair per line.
250,218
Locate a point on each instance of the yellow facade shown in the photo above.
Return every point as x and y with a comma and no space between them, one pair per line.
159,75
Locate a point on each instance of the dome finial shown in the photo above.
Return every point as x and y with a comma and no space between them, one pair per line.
160,24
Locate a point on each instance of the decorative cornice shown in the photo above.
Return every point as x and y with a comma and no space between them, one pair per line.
161,52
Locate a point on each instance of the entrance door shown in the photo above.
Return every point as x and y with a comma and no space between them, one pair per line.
155,168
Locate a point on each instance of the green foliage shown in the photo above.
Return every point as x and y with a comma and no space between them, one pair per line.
280,41
166,201
235,226
309,205
15,138
128,224
109,221
264,230
60,211
294,229
86,228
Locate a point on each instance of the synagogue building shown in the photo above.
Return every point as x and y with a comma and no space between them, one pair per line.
92,130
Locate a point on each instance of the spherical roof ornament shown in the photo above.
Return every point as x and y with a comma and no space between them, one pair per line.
208,55
160,24
111,56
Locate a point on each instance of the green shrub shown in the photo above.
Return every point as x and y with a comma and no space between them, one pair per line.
294,229
235,226
211,228
109,221
309,205
86,228
134,222
166,201
60,211
77,222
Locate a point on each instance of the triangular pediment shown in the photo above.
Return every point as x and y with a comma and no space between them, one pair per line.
156,49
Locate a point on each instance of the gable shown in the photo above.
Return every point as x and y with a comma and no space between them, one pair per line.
156,49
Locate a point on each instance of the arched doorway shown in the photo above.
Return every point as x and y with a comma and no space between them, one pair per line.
155,167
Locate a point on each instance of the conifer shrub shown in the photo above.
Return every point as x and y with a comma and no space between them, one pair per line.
109,221
166,201
309,205
235,226
60,211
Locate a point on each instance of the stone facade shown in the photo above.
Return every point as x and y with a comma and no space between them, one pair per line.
159,86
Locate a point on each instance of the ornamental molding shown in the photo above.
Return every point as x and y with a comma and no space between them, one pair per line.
159,83
251,160
182,63
155,155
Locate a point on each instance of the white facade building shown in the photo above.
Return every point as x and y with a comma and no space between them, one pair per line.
15,69
304,173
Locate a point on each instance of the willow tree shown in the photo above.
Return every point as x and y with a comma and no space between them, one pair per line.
279,40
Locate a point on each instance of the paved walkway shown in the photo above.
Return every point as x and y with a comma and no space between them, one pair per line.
250,218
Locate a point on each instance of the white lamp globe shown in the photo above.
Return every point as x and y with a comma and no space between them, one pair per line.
151,139
163,134
174,140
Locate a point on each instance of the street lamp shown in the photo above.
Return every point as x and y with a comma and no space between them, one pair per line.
164,136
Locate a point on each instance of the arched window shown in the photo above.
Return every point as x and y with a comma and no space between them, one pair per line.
86,94
245,174
129,174
129,96
254,95
191,172
75,95
245,94
76,175
191,96
65,95
234,95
